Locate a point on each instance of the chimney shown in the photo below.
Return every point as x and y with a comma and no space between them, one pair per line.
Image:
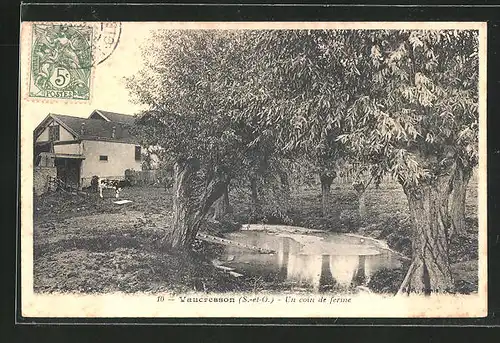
113,132
82,129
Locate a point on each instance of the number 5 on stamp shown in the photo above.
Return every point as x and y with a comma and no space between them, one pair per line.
61,62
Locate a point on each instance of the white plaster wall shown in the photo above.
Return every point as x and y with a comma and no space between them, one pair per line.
74,148
64,135
121,156
44,136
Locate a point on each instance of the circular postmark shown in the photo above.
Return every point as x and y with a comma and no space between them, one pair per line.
105,40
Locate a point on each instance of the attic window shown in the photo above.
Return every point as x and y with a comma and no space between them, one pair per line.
137,152
103,157
54,133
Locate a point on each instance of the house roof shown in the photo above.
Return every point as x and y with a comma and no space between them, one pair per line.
115,117
94,129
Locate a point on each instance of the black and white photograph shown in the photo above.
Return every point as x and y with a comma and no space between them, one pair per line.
253,169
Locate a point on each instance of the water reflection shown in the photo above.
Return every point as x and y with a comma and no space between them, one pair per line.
326,263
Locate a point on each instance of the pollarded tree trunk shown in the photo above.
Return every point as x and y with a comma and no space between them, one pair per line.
326,180
429,271
189,209
183,215
362,205
221,206
285,187
457,199
360,188
255,206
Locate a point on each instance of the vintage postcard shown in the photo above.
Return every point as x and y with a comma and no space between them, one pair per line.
253,169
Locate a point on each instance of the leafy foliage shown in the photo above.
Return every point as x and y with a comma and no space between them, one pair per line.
186,81
403,101
422,111
363,102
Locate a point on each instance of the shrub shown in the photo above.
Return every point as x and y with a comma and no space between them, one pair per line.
387,280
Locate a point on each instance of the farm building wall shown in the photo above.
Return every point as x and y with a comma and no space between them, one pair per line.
119,157
74,148
44,136
64,135
41,179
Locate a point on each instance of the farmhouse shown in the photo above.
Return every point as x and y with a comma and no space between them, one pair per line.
75,149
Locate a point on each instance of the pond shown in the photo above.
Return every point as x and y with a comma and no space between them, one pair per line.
310,259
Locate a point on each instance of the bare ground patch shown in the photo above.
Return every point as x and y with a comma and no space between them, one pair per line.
90,245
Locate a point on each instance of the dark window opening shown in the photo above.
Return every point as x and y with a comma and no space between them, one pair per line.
137,153
54,133
103,158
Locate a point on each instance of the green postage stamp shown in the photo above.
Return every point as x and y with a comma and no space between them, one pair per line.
61,61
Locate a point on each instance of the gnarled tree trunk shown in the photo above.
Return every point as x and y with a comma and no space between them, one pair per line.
285,187
360,189
429,271
255,206
189,209
221,206
326,180
183,216
460,182
362,205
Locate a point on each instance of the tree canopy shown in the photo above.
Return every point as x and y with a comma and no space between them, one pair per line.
398,102
421,113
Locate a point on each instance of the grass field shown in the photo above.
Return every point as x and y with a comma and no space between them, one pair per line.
86,244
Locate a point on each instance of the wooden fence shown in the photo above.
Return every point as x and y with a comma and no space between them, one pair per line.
148,177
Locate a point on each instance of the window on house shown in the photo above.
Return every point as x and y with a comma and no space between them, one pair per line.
137,153
103,157
54,133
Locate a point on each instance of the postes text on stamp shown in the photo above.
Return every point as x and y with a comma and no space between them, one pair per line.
61,60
